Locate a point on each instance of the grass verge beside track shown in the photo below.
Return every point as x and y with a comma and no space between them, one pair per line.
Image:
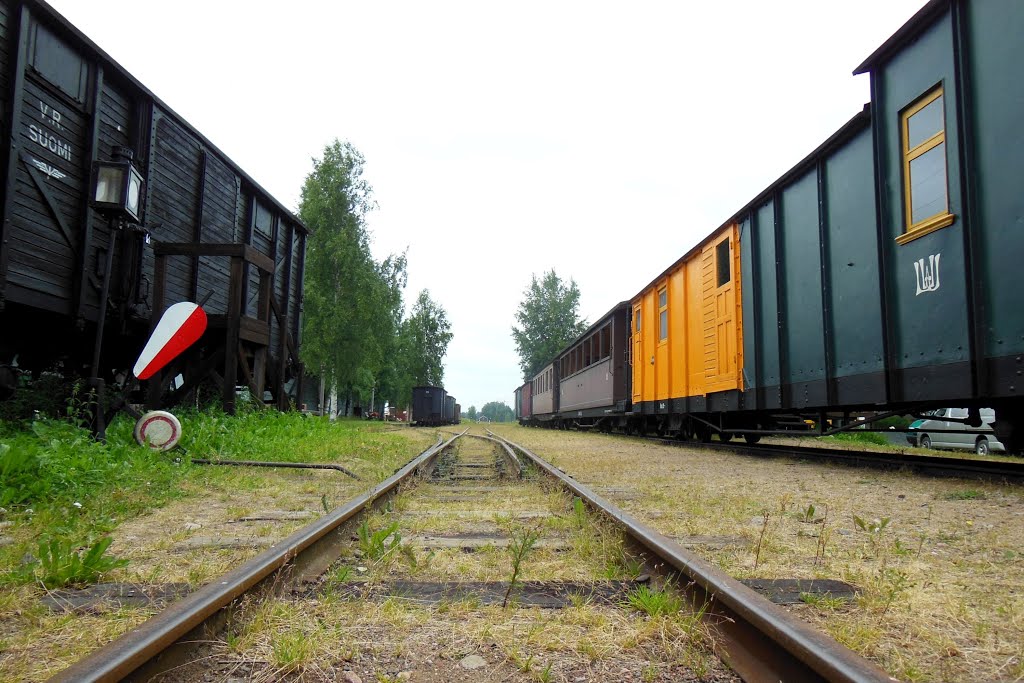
937,561
62,493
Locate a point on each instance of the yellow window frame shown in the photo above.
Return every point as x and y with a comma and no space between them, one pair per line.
944,218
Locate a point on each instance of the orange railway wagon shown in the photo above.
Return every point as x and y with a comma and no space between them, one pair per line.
687,339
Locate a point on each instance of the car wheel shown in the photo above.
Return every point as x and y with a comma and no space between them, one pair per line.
925,441
725,437
752,438
981,447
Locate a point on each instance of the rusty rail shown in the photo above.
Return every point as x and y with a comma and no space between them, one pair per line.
759,640
930,465
270,463
143,646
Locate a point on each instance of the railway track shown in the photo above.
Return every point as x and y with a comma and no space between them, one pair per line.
938,466
461,535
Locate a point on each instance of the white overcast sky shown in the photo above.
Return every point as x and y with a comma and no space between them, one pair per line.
503,139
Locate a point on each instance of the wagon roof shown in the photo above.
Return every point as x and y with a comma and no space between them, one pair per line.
594,326
855,125
61,22
909,31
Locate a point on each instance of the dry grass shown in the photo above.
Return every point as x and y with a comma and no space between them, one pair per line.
36,643
378,641
940,595
381,639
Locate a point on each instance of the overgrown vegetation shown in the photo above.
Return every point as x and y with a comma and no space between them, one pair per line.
59,485
61,564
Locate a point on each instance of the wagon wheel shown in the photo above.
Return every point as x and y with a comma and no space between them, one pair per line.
702,432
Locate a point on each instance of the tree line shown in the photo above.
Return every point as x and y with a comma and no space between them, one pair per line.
494,411
357,335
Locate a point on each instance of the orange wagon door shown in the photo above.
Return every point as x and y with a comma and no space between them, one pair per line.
720,315
638,355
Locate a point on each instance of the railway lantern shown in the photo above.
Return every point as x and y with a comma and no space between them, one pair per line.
117,186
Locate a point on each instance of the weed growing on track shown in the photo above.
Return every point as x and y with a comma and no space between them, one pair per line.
57,482
380,545
522,540
653,602
62,564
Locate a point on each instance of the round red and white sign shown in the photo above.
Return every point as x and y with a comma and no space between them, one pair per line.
158,429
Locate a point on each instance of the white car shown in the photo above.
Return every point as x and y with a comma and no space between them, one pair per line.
956,435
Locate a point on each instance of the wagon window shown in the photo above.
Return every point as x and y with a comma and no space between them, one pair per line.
722,263
663,314
58,63
925,181
588,353
639,316
263,220
605,343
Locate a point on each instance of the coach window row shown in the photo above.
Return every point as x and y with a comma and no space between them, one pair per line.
541,384
925,180
594,349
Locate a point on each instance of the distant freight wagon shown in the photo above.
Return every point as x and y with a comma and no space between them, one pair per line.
432,407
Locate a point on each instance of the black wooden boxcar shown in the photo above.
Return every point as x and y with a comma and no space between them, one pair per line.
449,409
428,404
208,231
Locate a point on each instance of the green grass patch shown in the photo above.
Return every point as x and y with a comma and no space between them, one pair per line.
59,485
966,494
858,437
653,602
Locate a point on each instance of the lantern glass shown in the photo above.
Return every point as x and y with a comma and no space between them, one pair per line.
110,184
134,189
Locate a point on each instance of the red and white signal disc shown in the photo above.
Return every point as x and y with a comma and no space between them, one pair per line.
158,429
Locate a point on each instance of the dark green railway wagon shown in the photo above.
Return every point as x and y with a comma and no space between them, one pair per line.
949,104
883,270
811,307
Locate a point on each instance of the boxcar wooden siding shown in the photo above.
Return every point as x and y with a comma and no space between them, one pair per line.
71,106
48,193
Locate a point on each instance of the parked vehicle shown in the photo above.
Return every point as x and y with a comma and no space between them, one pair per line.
946,429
